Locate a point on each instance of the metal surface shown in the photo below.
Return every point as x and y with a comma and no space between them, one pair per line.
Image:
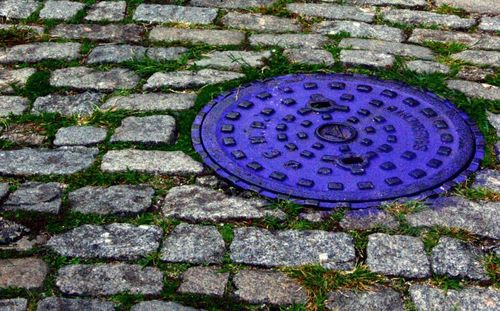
333,140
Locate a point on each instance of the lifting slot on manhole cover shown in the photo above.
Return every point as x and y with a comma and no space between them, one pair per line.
335,140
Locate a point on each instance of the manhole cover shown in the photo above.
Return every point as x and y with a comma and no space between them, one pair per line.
333,140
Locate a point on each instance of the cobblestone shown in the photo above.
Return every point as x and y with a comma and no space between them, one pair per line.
286,41
490,58
212,37
157,305
474,89
14,105
111,11
17,9
427,18
60,9
152,162
114,200
114,241
109,279
151,102
331,11
310,56
255,246
233,60
479,218
468,299
17,77
28,273
23,134
147,130
14,304
494,120
10,231
366,58
480,6
359,29
378,298
35,197
82,104
397,255
393,48
66,304
95,32
259,22
80,136
489,24
268,287
489,179
400,3
193,244
27,162
474,73
35,52
363,220
164,54
455,258
156,13
4,190
199,204
189,79
84,78
422,35
232,4
421,66
204,280
111,53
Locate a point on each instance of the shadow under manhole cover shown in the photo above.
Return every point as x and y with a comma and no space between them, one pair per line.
333,140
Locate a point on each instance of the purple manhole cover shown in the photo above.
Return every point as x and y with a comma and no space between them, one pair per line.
333,140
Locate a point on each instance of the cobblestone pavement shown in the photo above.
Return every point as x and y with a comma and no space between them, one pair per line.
104,204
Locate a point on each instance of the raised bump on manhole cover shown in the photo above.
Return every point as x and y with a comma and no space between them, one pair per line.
335,140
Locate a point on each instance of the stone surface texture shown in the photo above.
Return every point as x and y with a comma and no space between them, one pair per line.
379,298
489,179
84,78
147,130
28,273
102,33
12,105
80,136
157,13
14,304
259,22
189,79
60,9
157,305
204,281
111,11
35,197
17,77
35,52
233,60
207,36
151,102
66,304
82,104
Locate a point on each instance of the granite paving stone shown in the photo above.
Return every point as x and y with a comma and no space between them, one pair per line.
80,136
399,3
393,48
82,104
189,79
421,36
17,9
113,200
151,102
34,29
366,58
494,119
15,105
193,244
268,287
367,219
232,4
26,243
28,273
427,18
286,41
489,24
60,9
14,304
489,179
199,204
23,134
204,281
95,32
35,52
147,130
114,241
109,279
4,190
63,161
17,77
474,89
472,73
111,53
426,298
378,298
259,22
427,67
256,246
67,304
159,13
488,43
207,36
158,305
397,255
233,60
310,56
359,29
489,58
111,11
84,78
332,11
11,231
478,6
160,54
209,181
35,197
457,259
152,162
480,218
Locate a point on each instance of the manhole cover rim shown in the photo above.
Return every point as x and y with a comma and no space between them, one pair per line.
461,176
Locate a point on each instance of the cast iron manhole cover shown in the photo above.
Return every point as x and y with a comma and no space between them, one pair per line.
333,140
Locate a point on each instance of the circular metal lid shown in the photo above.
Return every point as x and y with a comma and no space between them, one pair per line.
333,140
